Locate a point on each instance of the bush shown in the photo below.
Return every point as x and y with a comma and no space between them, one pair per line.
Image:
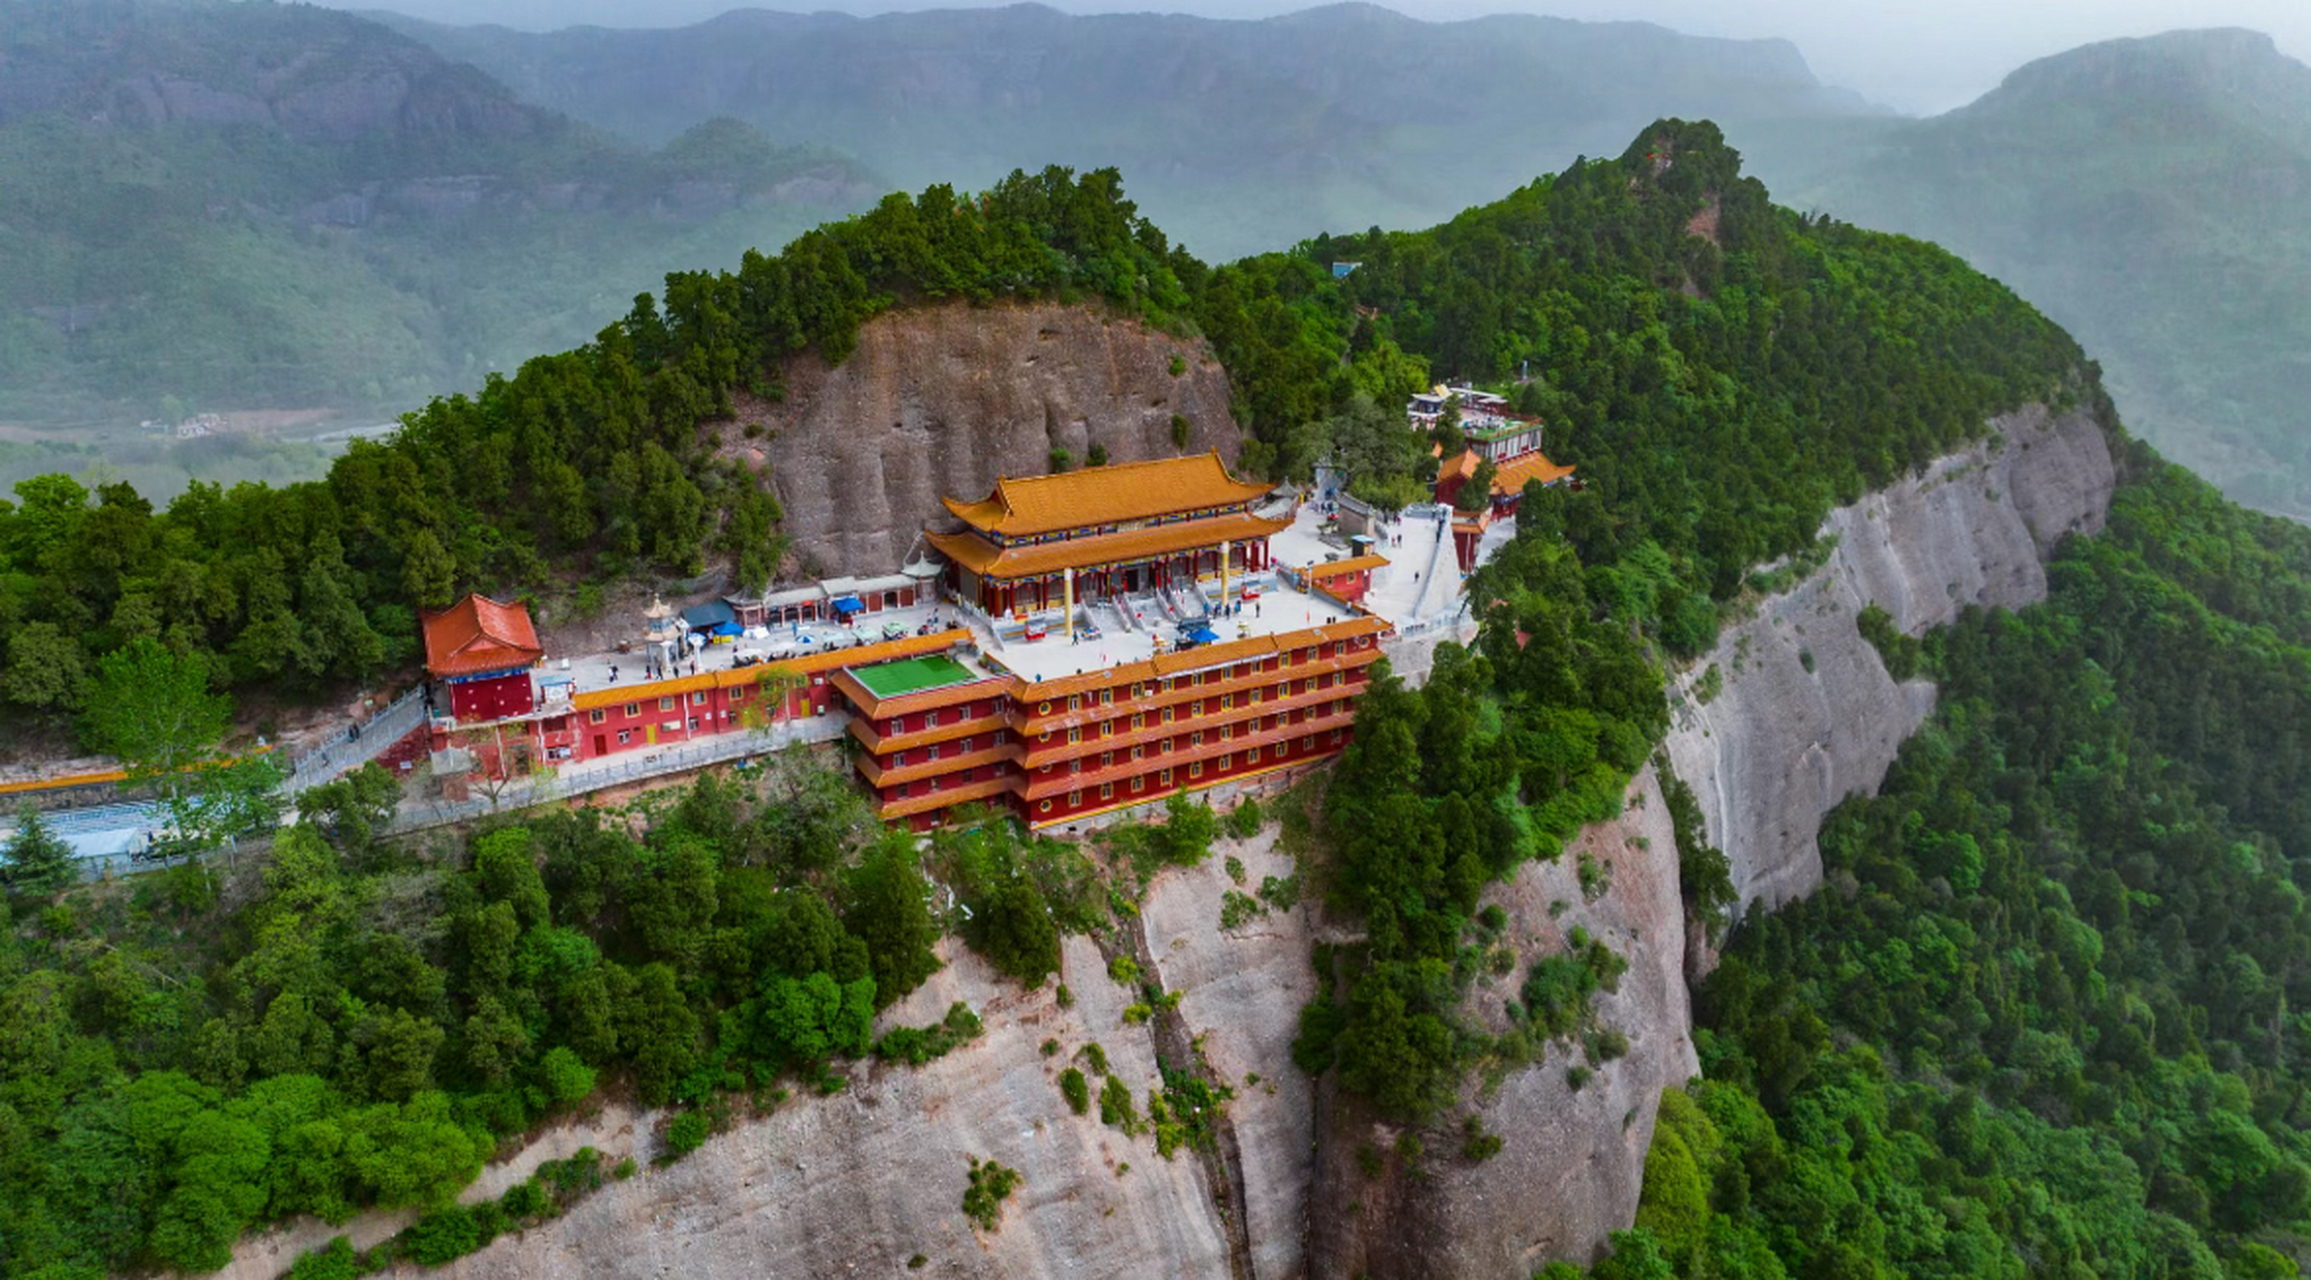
688,1133
991,1184
566,1077
1116,1106
1246,819
441,1236
1077,1090
336,1261
1095,1057
1476,1145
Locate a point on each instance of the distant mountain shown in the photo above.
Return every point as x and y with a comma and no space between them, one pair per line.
1237,136
246,205
2154,197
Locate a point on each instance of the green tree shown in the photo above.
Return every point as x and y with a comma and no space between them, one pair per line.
35,862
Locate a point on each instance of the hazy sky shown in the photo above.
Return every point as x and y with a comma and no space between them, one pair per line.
1921,56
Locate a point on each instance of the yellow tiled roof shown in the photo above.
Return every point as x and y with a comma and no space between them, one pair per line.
1105,495
987,560
1336,568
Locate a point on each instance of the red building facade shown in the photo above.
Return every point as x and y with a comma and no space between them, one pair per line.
1054,751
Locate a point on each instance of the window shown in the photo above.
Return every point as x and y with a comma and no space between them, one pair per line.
1107,728
1138,689
738,694
1308,743
1164,779
964,746
1167,715
1074,702
1043,708
633,709
693,724
1075,765
1107,791
1074,798
1195,768
596,716
1001,737
1135,753
1106,759
932,752
1043,806
1335,737
1227,700
1139,783
1196,739
1252,756
930,719
1227,731
698,697
666,704
1138,721
625,736
1107,697
1074,734
898,759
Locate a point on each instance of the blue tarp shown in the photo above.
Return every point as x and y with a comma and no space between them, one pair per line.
725,629
848,604
1203,635
706,617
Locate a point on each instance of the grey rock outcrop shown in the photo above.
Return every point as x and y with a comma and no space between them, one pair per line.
1572,1161
1808,714
940,401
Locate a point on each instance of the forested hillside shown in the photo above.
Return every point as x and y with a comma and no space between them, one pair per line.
2154,197
239,206
586,466
2040,1019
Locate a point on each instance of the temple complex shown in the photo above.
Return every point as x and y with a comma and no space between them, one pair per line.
1081,643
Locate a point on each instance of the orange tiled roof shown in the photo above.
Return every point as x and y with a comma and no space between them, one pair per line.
808,664
478,634
1508,481
1105,495
1338,568
980,557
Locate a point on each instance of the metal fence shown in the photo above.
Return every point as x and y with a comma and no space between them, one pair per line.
418,815
357,745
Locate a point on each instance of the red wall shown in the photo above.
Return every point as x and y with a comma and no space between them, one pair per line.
491,699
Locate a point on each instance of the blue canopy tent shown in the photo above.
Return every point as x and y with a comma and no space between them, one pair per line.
848,604
708,616
721,629
1203,635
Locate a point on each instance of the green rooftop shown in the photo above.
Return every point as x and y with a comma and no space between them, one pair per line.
912,675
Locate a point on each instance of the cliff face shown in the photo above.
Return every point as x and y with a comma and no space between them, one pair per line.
943,400
1808,715
862,1182
1572,1161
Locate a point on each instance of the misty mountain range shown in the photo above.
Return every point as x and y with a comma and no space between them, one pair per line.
236,205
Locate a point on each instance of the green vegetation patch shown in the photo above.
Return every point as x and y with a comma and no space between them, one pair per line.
912,675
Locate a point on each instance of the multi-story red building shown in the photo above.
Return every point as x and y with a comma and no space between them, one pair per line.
937,733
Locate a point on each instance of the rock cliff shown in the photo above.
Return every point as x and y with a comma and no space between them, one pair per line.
943,400
1572,1160
1808,714
863,1181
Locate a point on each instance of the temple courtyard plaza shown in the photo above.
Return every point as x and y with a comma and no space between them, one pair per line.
1420,584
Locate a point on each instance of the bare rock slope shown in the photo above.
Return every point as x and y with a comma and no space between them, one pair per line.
943,400
1572,1161
1808,714
862,1182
